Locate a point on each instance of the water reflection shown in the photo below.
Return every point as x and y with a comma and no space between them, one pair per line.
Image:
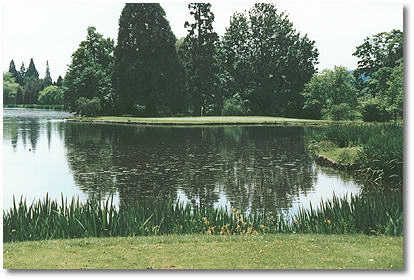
249,168
253,167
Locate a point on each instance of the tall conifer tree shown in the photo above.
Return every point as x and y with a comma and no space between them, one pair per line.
22,74
32,71
201,68
47,81
13,71
147,71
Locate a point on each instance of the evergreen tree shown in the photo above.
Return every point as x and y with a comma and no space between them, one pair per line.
22,74
201,69
14,72
59,81
32,71
147,73
47,81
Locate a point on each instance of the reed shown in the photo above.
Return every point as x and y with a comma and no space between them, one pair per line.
381,157
48,219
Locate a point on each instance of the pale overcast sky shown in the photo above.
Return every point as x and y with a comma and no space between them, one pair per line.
52,30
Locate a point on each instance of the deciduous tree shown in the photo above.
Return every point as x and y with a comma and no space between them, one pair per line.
89,74
269,60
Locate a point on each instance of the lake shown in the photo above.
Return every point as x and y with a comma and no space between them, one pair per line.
246,167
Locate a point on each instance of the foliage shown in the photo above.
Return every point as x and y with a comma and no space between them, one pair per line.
330,93
31,71
234,106
381,159
59,81
47,80
269,61
381,50
394,95
198,53
373,110
15,73
51,95
10,88
31,88
341,111
89,74
88,107
147,71
48,219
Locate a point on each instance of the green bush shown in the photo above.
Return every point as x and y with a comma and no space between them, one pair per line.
233,106
51,95
313,110
374,111
88,107
342,111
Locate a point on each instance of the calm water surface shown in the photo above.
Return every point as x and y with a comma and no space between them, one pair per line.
249,167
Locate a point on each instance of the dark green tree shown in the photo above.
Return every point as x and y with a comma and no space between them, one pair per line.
89,74
31,84
378,51
14,72
47,80
147,73
32,71
199,52
10,88
268,60
327,92
59,81
22,74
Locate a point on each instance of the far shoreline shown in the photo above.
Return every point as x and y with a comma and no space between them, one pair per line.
209,121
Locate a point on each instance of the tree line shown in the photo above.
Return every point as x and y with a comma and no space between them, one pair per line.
261,66
25,87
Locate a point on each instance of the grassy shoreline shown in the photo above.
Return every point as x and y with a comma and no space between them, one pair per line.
194,251
209,120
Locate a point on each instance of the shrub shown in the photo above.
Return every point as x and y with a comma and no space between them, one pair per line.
313,110
233,106
342,111
51,95
374,111
88,107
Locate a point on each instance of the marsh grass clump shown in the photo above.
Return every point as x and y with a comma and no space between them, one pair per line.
48,219
375,149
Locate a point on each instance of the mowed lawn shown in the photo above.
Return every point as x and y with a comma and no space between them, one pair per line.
280,252
208,120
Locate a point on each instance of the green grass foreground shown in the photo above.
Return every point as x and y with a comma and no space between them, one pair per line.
209,120
269,251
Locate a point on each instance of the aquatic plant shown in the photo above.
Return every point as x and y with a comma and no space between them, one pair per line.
380,159
48,219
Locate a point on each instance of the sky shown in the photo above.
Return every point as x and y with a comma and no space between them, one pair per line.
52,30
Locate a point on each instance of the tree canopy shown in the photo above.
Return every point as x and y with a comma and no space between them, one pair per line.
199,55
10,88
147,73
268,60
89,74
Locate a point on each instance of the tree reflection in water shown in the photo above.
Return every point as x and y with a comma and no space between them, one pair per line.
250,167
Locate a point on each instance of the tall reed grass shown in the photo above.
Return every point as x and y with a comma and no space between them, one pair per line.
381,157
48,219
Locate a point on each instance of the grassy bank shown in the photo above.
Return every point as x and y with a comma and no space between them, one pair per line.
220,120
48,219
34,106
282,251
376,150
